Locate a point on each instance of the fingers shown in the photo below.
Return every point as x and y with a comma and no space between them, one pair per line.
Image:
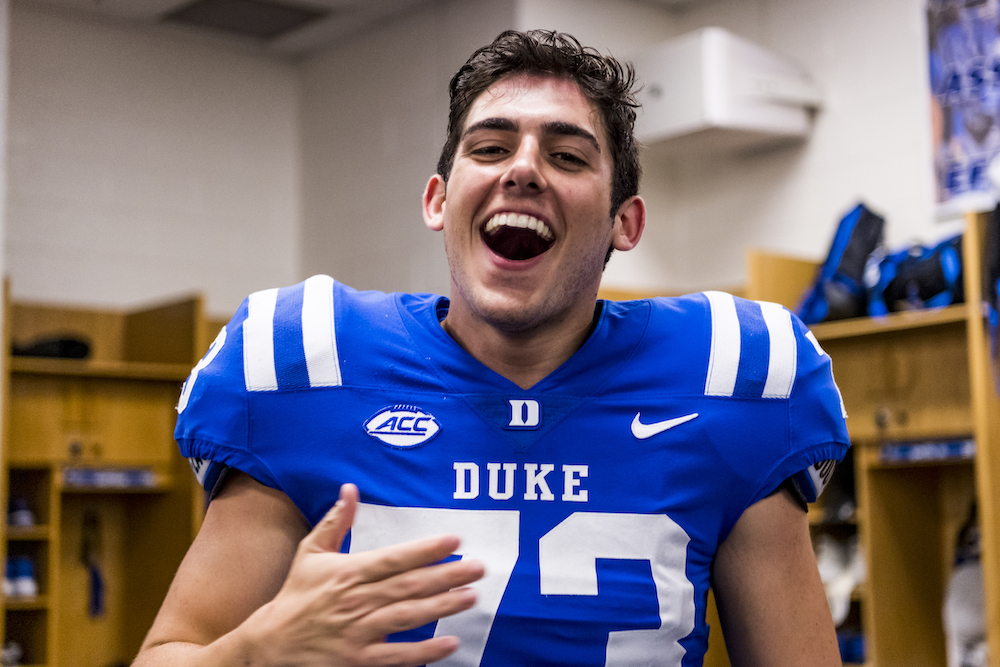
329,533
386,562
424,582
354,601
415,613
403,654
418,653
411,599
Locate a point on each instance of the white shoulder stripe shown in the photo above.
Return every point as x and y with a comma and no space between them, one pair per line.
258,342
724,359
783,356
319,333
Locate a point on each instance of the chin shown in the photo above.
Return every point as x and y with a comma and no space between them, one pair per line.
516,315
508,318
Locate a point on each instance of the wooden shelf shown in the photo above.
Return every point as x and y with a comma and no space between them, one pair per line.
125,370
163,484
26,604
909,465
33,533
912,319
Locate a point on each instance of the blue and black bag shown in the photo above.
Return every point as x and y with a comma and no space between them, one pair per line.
917,277
839,291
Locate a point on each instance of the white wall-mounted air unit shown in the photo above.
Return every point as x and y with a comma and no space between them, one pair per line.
710,89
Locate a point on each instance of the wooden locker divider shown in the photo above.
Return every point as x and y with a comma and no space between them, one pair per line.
109,416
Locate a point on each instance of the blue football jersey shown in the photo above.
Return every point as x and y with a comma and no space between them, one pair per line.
597,498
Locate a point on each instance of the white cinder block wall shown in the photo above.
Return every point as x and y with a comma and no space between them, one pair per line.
146,162
374,118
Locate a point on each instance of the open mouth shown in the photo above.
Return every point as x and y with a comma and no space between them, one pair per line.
517,236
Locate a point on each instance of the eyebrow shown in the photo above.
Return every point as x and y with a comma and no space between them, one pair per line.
552,128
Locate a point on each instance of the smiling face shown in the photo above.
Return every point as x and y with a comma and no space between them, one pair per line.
525,212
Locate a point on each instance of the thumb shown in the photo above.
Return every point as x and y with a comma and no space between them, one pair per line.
329,533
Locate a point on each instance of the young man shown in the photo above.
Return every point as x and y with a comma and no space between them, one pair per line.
595,465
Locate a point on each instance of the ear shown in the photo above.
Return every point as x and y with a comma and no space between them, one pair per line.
434,203
629,223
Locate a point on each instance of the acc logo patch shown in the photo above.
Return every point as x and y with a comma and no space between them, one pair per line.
402,426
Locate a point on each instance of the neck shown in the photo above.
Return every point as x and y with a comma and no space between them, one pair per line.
524,358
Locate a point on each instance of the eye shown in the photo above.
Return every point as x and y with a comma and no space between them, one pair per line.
489,150
569,159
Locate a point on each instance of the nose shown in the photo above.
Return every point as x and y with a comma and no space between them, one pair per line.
524,175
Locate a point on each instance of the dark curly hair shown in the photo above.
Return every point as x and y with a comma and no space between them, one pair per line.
603,80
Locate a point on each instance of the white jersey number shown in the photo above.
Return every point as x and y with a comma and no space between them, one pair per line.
567,557
487,535
213,350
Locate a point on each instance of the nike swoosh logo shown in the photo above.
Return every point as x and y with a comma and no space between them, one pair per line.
643,431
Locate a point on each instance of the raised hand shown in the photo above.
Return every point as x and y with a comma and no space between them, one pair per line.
336,609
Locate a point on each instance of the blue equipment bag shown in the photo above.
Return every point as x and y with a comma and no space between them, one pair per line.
839,291
917,277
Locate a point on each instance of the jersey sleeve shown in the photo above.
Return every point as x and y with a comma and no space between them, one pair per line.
817,418
212,412
770,372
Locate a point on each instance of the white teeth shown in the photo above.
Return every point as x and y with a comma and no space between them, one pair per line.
523,221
